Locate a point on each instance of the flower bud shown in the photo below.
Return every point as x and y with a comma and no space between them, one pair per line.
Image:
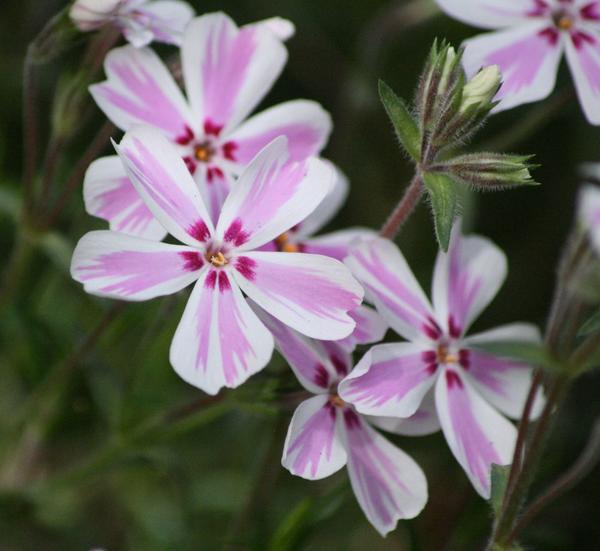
482,88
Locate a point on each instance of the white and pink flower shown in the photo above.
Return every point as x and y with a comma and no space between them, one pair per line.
227,71
471,389
220,341
532,35
140,21
326,434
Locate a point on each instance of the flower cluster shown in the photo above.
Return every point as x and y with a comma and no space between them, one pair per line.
243,195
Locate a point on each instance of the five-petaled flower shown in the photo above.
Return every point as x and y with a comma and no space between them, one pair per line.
227,71
326,433
336,244
532,36
140,21
220,341
469,385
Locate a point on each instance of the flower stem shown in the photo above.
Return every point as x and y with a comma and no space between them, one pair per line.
404,209
30,129
23,249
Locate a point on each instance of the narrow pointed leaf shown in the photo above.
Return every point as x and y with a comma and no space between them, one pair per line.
444,203
404,124
592,325
535,354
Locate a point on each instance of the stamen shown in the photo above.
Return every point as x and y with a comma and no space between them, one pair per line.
565,23
336,401
203,152
444,357
218,259
285,245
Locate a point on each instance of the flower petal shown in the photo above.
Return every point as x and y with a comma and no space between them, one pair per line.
282,28
228,70
526,78
465,280
214,184
589,212
168,19
390,380
116,265
337,244
391,286
328,207
88,15
492,14
425,421
109,194
313,448
311,362
140,90
220,341
165,184
387,483
271,196
305,124
476,433
370,327
583,56
503,383
312,294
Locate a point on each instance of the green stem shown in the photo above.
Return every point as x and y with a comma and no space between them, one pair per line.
22,252
30,129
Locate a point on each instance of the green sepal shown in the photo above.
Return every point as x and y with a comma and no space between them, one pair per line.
405,126
499,481
444,203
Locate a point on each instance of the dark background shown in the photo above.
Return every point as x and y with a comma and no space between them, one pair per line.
68,401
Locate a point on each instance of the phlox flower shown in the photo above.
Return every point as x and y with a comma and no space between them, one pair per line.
528,45
227,71
220,341
336,244
326,434
471,389
140,21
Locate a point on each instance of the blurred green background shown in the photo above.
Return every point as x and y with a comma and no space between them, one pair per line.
103,446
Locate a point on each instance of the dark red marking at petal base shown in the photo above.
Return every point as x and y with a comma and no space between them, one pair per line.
351,419
229,149
193,261
210,128
464,358
321,376
246,266
453,327
213,172
199,231
550,34
224,284
452,380
235,233
331,409
190,164
579,38
432,368
432,329
338,364
186,137
590,11
211,280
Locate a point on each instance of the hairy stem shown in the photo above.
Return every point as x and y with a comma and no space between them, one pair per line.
404,209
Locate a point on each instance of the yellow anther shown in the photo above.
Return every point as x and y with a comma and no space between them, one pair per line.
335,400
218,259
444,357
565,23
203,153
285,245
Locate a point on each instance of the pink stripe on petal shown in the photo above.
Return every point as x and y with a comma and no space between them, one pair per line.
312,448
220,341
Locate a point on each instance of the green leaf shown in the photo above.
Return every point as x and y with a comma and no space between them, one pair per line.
499,481
527,352
404,124
290,531
444,203
592,325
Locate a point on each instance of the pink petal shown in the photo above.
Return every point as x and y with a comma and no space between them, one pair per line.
88,15
583,56
589,212
109,194
120,266
304,123
220,341
390,380
503,383
387,483
312,294
282,28
165,184
465,280
168,19
493,14
476,433
370,328
140,90
425,421
271,196
526,78
228,70
316,366
215,184
337,244
312,448
391,286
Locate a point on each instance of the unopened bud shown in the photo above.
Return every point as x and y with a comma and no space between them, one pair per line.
482,88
